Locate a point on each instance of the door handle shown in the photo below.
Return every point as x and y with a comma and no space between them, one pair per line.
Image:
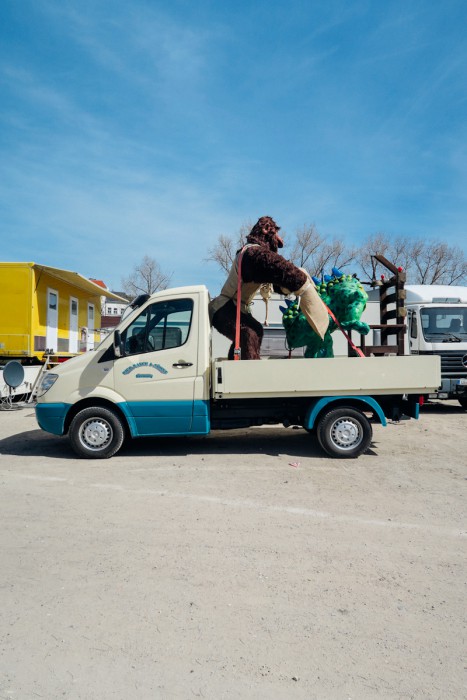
180,365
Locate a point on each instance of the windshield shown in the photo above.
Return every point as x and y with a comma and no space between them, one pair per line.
444,323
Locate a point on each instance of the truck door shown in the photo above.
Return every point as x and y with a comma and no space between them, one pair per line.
413,332
156,376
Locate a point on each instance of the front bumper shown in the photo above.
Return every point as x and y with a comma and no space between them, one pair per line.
450,389
51,417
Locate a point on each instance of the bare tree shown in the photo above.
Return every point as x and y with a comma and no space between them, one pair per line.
308,249
305,246
224,251
379,243
425,261
317,255
438,263
146,278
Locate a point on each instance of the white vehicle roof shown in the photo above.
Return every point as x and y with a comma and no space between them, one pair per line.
173,291
180,290
436,294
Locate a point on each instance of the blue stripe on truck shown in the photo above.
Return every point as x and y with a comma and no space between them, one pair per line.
144,417
167,417
51,416
319,404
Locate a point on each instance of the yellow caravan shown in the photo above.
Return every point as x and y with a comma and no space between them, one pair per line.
44,308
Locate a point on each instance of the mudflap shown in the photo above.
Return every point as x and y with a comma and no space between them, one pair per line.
407,407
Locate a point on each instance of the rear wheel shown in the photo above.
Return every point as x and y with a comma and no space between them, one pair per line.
463,402
344,432
96,433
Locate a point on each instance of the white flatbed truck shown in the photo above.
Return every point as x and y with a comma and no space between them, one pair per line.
155,376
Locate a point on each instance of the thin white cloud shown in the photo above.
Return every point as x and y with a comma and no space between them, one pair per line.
161,131
140,44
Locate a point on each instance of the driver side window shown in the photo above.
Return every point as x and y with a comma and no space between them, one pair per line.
160,326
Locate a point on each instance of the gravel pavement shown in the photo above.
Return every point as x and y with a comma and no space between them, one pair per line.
242,565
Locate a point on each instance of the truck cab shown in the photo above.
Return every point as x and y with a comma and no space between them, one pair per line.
437,325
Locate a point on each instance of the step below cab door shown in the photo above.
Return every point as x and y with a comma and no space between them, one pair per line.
156,375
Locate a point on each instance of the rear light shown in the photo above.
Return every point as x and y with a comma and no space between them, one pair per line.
421,400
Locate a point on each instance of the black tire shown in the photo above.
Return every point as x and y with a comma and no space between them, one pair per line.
463,402
96,433
344,432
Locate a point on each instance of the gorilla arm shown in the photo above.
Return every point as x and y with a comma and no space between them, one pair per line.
313,308
262,265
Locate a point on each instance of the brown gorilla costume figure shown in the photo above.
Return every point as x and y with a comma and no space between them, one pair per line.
261,263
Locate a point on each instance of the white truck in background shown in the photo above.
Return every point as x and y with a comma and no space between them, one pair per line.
437,325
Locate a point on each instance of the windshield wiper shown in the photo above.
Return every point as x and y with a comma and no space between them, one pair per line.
452,338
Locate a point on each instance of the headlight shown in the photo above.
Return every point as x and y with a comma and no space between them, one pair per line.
48,381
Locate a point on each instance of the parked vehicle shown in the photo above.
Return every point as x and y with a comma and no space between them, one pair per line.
47,315
155,375
437,325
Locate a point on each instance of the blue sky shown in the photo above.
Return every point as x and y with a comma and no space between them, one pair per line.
147,127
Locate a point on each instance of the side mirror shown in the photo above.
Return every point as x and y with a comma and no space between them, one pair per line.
118,345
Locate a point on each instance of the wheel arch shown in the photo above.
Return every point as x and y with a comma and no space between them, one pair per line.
362,403
94,402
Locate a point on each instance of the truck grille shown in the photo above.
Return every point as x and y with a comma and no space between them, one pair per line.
452,362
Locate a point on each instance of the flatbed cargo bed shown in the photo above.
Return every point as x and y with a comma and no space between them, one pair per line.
337,376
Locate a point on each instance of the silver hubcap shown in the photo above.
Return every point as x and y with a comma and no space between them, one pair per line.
346,433
95,434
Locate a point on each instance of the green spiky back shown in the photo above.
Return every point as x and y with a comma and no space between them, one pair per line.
347,300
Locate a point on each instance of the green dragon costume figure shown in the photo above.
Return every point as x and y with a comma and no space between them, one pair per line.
344,296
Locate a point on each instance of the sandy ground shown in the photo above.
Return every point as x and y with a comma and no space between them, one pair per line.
216,568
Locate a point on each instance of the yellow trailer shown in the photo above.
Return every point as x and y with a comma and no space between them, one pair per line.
47,311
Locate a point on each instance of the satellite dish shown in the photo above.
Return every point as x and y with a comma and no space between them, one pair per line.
13,374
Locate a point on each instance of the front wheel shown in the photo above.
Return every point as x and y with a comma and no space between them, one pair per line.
96,433
344,432
463,402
